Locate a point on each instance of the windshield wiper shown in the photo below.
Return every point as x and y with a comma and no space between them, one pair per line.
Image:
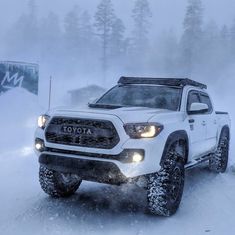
105,106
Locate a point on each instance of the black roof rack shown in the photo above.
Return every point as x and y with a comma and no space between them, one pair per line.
161,81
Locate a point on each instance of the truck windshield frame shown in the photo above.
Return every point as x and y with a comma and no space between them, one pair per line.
149,96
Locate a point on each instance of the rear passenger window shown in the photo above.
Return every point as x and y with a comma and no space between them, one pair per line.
193,97
205,99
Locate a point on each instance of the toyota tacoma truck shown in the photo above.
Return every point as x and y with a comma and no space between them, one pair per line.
146,131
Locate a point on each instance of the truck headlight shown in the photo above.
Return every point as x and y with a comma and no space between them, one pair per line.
42,121
143,130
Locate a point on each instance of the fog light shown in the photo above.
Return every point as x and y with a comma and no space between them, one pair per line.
39,145
137,157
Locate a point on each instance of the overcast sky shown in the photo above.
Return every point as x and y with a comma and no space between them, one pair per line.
166,13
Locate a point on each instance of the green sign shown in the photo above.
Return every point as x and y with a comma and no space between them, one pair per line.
17,74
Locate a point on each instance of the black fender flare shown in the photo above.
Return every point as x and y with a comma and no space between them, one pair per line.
224,128
180,135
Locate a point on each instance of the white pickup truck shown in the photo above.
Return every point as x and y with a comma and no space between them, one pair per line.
144,130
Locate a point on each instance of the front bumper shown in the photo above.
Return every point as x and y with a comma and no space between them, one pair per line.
90,170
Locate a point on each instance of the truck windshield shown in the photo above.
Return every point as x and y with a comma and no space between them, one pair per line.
158,97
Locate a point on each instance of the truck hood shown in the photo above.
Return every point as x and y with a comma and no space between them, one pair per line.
125,114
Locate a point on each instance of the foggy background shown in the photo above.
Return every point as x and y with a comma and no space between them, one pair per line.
65,38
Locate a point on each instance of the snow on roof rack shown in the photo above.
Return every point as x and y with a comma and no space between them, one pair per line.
161,81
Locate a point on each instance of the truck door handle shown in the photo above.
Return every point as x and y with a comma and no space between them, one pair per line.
204,123
191,121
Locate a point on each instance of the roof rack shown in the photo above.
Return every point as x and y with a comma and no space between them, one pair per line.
161,81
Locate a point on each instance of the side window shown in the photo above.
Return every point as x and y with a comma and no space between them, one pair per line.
193,97
205,99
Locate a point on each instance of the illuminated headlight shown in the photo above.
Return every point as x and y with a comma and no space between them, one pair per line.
42,121
143,130
39,145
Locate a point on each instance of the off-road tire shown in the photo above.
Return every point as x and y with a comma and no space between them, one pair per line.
53,184
165,188
219,160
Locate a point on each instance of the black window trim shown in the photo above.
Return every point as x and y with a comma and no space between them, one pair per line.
199,93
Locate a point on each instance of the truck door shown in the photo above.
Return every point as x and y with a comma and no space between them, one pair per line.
197,124
211,122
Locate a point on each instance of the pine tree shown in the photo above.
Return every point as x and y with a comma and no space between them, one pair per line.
117,38
192,36
104,18
141,15
89,49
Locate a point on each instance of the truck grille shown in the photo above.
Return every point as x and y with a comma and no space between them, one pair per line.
82,133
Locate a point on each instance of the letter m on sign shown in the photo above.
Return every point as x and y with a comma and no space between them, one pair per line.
12,81
19,74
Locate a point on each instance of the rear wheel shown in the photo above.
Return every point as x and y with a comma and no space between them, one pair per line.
165,188
58,184
219,160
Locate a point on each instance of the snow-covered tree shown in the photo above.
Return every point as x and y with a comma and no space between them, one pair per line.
192,36
117,38
141,15
104,18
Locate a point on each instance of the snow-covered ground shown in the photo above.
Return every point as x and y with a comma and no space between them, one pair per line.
208,204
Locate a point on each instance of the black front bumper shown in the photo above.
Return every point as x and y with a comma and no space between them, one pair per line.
90,170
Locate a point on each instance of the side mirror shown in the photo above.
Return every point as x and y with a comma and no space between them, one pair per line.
198,108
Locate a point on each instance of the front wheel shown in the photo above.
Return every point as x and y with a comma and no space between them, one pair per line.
165,188
58,184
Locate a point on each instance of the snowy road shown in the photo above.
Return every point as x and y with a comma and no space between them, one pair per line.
208,204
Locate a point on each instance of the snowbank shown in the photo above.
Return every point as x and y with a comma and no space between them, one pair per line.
19,111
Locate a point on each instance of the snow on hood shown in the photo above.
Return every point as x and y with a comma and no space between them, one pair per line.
126,114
